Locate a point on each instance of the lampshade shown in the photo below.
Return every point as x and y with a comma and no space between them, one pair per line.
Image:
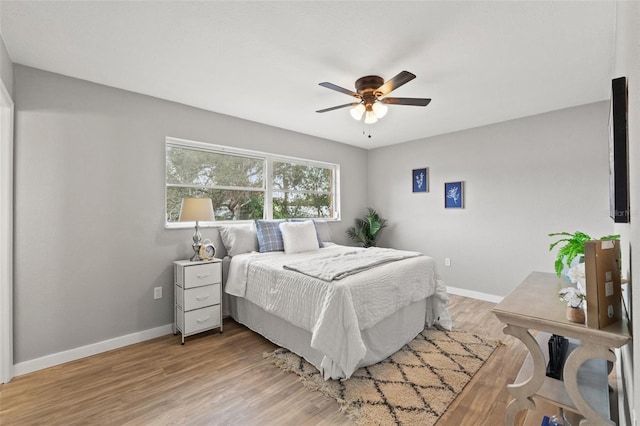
370,117
196,209
380,109
357,111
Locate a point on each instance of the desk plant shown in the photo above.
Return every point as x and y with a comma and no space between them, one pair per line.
573,247
575,296
366,229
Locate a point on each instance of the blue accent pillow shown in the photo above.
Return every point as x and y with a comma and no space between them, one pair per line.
314,225
269,235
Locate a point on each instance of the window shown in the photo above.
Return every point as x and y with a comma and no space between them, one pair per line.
247,185
300,190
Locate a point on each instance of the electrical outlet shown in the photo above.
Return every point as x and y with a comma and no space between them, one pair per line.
447,261
157,293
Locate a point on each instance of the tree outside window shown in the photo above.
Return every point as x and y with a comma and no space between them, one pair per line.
301,191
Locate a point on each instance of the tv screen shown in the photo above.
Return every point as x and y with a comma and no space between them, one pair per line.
618,152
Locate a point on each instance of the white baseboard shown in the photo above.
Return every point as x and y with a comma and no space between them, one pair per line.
474,294
118,342
93,349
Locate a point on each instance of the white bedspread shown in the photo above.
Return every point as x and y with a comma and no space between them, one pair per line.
335,312
331,265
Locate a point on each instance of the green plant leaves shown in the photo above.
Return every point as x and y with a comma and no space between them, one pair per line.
366,229
573,247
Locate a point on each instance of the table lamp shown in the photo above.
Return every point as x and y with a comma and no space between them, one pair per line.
196,209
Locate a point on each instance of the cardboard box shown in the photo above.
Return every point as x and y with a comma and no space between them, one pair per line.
602,273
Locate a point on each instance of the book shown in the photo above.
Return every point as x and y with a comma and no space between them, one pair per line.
558,346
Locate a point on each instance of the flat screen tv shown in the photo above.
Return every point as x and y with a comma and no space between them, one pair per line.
618,152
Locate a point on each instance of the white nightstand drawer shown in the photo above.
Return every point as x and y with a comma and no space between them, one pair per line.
198,275
199,297
201,319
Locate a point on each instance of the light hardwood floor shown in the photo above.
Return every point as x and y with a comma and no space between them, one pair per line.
223,379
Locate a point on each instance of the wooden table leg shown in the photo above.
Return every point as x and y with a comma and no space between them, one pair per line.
523,392
579,356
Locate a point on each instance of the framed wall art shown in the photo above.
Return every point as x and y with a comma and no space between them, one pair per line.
454,195
420,179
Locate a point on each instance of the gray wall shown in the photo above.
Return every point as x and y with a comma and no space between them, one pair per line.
627,63
523,179
90,242
6,68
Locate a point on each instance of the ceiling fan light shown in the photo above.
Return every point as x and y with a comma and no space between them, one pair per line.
380,109
357,111
370,117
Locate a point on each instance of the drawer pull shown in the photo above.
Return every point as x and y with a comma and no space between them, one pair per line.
203,276
203,297
203,319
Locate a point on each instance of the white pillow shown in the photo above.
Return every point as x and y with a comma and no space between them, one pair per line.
299,237
238,239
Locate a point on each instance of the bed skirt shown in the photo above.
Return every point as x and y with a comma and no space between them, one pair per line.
381,340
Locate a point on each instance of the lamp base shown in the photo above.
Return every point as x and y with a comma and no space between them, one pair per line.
197,243
196,257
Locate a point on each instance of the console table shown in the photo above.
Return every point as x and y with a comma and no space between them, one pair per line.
535,305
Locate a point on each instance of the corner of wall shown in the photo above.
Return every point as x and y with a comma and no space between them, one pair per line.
6,68
626,63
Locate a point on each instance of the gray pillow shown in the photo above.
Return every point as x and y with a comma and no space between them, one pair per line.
238,239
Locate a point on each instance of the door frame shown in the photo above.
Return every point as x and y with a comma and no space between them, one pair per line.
6,235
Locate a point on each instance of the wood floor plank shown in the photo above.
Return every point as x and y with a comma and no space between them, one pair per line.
223,379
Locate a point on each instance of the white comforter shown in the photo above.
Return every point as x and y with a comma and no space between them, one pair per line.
335,312
330,265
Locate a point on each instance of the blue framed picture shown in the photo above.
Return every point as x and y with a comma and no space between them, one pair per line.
420,178
454,195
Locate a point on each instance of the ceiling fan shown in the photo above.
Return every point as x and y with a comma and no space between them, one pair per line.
371,90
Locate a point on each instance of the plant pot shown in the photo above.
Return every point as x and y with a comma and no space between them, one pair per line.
575,315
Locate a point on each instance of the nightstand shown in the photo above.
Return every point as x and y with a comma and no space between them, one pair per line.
198,296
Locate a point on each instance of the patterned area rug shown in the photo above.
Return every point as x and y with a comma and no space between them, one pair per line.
414,386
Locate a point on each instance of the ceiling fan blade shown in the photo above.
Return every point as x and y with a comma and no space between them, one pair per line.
402,78
406,101
339,89
338,107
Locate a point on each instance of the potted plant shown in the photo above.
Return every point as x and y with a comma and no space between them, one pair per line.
572,248
366,229
575,297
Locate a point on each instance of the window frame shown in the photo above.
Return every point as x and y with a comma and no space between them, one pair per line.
267,188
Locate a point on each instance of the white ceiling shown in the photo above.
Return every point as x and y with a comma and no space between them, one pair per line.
481,62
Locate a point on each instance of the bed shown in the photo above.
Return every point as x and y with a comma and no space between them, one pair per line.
338,307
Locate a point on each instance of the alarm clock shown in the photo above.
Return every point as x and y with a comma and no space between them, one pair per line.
207,250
